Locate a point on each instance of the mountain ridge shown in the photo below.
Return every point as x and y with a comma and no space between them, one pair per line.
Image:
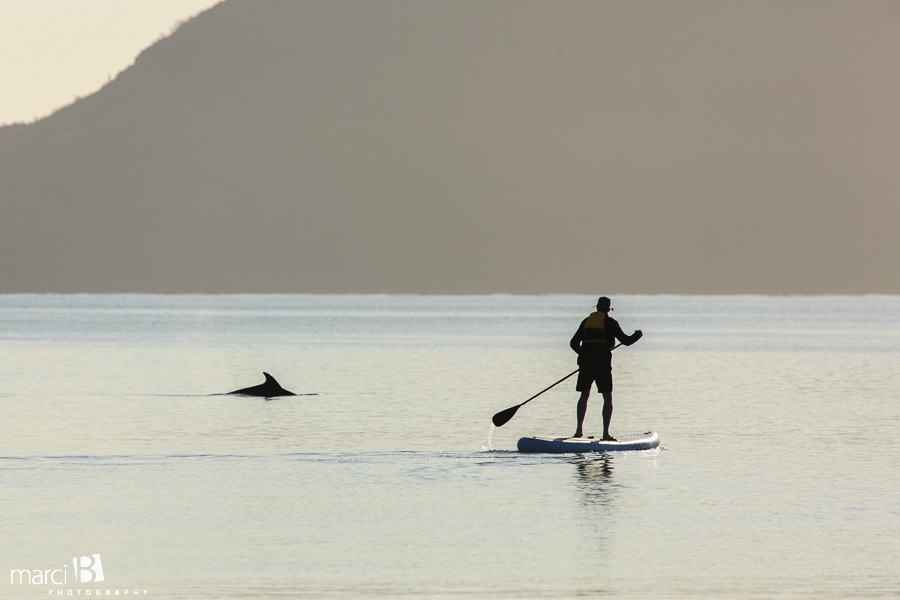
471,147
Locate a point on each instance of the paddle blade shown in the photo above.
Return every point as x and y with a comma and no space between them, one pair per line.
503,417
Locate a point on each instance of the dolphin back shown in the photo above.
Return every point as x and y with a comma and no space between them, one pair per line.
270,389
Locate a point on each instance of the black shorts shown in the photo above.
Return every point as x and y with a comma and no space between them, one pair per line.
601,373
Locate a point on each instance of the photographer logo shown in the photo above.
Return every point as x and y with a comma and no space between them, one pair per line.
86,570
91,569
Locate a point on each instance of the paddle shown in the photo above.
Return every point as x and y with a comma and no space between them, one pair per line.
503,417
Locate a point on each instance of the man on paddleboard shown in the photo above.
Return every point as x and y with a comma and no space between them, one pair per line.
593,342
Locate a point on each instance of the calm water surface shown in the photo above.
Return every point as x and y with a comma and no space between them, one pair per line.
778,476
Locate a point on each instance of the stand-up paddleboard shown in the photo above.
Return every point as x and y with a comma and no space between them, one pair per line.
637,441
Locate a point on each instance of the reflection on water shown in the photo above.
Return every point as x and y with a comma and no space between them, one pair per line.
596,495
594,478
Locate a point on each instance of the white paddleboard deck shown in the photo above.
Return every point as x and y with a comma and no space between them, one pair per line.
636,441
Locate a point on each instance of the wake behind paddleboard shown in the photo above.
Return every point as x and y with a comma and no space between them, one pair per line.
637,441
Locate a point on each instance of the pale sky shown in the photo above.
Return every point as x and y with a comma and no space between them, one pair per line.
54,50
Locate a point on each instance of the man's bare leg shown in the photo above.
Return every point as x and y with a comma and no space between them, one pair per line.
607,416
581,411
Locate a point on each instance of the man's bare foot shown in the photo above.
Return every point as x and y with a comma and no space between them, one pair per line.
609,438
577,434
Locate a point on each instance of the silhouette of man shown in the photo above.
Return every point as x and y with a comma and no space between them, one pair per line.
594,342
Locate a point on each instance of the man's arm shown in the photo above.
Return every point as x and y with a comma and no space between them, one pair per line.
628,340
575,342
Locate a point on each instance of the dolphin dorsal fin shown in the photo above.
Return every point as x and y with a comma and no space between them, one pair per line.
269,378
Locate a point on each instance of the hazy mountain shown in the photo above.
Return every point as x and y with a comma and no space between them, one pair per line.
474,146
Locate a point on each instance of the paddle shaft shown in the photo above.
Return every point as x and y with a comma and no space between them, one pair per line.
503,417
550,387
561,380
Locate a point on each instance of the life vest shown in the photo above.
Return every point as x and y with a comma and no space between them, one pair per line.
595,330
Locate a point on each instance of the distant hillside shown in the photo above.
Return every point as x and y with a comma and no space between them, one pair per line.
474,146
